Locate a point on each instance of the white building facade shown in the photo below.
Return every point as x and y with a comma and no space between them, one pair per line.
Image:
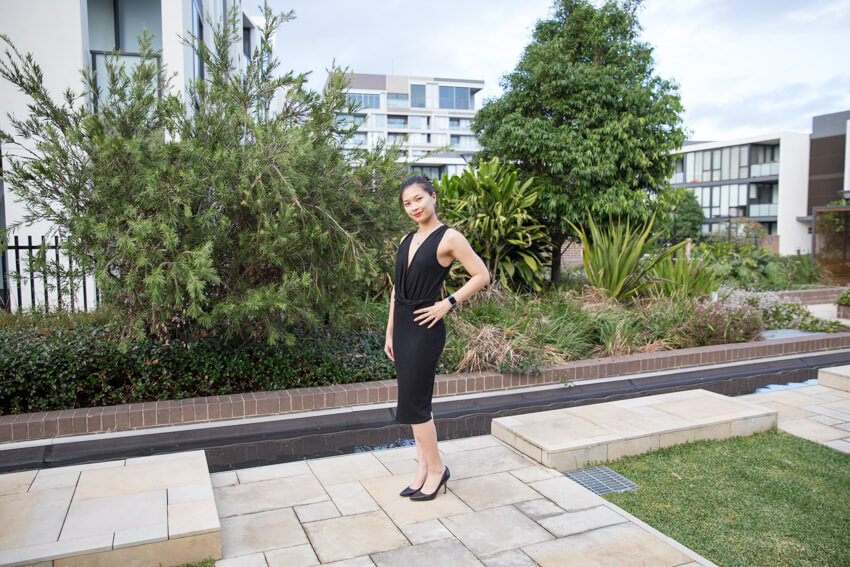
420,115
760,178
66,36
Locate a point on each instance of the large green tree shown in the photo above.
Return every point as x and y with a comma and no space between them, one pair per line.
585,115
240,213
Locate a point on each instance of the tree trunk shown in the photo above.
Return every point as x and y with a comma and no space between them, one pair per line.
557,244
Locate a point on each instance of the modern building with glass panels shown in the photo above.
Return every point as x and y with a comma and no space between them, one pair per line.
420,115
761,178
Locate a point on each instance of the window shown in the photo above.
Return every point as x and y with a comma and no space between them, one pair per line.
689,167
246,46
198,32
394,99
679,173
396,138
352,119
363,100
454,123
418,122
379,121
359,138
431,173
458,98
454,140
417,96
396,122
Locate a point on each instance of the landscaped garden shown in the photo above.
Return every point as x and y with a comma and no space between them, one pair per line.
237,249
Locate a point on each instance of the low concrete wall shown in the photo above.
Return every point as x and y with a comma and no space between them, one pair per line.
813,296
33,426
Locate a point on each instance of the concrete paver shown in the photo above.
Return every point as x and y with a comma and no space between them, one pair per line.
263,531
351,536
496,529
440,552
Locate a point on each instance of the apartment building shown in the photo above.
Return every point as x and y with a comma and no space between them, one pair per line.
66,36
420,115
760,178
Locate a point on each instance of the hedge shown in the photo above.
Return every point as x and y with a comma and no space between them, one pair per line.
86,365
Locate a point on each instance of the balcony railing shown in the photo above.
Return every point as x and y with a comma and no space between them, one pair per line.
764,169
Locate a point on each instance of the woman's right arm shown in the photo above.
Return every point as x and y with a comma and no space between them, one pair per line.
388,344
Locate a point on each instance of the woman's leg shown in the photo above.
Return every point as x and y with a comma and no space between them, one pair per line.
422,465
425,435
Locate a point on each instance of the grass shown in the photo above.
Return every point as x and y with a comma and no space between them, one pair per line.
205,563
767,499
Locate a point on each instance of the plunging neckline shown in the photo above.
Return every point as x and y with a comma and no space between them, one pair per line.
415,252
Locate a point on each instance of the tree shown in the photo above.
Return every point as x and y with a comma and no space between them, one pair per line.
227,216
584,115
682,216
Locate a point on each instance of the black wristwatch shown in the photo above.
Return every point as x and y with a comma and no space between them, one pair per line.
452,300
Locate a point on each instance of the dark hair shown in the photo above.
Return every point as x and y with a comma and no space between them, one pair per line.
421,180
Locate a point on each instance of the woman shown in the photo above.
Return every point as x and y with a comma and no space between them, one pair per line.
416,333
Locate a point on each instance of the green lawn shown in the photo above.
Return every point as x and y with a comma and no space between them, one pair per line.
769,499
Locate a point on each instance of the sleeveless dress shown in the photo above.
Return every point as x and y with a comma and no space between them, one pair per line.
417,348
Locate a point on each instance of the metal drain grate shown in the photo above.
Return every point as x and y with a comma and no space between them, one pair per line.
601,480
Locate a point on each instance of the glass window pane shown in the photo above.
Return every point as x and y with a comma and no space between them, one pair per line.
689,167
725,162
417,96
447,97
706,161
462,98
395,99
715,196
733,163
745,155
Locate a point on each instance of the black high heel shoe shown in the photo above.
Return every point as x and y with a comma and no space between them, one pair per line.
420,496
410,491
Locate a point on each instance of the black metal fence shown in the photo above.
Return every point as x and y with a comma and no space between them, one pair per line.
23,285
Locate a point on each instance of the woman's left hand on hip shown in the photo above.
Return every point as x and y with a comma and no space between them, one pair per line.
432,314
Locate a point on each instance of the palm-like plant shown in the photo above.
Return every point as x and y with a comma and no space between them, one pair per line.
620,257
678,274
492,209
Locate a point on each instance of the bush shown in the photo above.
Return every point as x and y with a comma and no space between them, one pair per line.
716,323
228,216
677,274
493,210
780,314
758,269
844,298
84,364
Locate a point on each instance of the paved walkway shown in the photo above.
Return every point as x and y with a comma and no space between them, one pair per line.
502,509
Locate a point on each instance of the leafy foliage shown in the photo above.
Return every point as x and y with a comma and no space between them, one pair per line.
678,274
584,115
778,313
717,323
844,298
492,209
682,218
238,216
758,269
614,256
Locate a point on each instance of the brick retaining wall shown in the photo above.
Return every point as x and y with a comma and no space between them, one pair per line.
33,426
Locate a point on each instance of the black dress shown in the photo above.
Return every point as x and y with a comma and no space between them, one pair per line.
417,348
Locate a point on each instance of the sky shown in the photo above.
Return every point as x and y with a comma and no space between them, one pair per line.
743,67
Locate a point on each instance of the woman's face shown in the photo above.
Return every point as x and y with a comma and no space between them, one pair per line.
418,204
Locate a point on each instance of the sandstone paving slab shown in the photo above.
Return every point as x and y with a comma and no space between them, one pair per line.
144,476
130,537
252,560
348,468
826,420
812,430
842,445
347,537
254,533
567,494
838,410
510,558
13,483
170,552
62,479
115,513
191,493
495,529
395,454
403,511
581,521
296,556
492,490
33,518
403,467
469,444
573,438
442,552
485,461
224,478
192,517
611,546
55,550
271,472
362,561
786,411
534,473
351,498
540,508
268,495
423,532
315,512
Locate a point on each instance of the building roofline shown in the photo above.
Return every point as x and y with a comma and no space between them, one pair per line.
756,139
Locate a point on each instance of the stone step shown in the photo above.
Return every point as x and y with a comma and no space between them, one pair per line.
837,377
573,438
156,510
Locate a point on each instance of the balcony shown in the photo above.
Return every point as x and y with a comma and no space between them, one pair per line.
764,169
